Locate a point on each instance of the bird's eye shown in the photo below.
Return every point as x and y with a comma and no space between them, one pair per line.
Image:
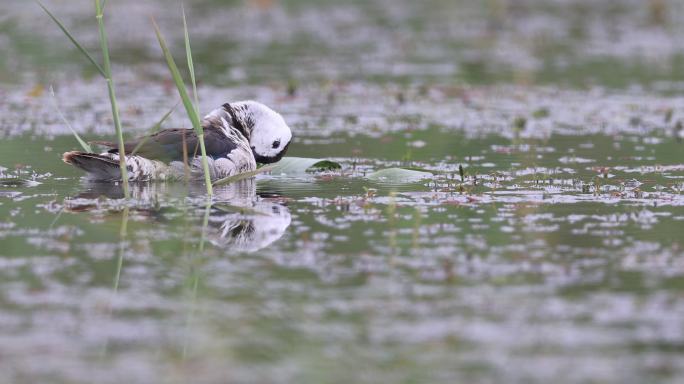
276,144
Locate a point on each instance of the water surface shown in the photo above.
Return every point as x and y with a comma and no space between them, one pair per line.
556,256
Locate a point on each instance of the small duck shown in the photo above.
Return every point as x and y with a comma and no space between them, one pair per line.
237,136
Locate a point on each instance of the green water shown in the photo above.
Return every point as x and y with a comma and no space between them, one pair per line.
557,256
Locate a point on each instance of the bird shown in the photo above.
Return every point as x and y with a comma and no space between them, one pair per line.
237,136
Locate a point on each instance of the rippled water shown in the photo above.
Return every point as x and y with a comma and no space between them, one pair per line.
556,255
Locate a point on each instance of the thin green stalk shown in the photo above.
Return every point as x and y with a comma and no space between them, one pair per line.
59,214
123,232
194,265
191,69
186,166
191,66
205,225
73,40
83,144
106,72
112,97
119,266
205,164
193,115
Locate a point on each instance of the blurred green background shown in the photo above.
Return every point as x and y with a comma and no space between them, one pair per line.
571,42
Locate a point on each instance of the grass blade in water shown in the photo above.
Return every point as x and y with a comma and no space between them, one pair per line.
112,96
178,80
84,145
73,40
187,103
200,132
191,65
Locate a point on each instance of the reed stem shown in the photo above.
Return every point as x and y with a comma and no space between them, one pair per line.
205,165
112,96
190,108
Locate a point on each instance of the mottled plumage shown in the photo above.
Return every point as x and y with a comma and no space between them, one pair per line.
236,137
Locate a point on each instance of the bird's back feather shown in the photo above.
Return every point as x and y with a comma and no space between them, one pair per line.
167,145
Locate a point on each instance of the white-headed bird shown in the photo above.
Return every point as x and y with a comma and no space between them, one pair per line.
237,136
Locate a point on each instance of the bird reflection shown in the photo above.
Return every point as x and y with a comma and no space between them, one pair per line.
251,230
239,219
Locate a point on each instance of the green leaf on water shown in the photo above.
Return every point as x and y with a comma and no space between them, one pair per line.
399,175
301,165
304,165
73,40
324,165
294,166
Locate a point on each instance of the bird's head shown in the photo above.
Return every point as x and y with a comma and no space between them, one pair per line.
269,135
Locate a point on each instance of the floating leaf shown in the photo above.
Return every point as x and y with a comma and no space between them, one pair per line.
300,165
303,165
399,175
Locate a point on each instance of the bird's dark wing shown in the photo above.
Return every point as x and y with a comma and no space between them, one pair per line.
167,145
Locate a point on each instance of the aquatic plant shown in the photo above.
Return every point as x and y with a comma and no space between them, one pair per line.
106,72
84,145
191,109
